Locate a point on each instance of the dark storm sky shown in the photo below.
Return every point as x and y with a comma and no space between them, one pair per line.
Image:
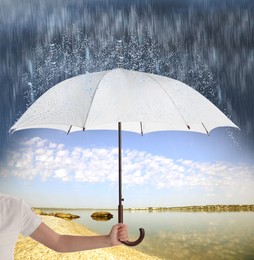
206,44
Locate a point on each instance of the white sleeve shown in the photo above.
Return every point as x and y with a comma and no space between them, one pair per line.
29,220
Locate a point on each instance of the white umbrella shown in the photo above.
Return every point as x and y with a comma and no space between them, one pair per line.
121,99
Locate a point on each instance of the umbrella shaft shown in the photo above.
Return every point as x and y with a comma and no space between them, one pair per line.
120,213
120,206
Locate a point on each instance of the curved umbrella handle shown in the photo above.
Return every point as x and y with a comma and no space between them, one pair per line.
138,241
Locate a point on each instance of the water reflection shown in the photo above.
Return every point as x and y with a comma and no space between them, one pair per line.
202,235
187,235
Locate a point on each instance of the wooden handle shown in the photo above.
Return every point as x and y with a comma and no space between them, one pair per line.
138,241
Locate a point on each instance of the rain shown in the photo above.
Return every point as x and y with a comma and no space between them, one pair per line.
206,44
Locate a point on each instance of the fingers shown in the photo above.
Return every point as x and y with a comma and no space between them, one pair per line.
122,233
118,233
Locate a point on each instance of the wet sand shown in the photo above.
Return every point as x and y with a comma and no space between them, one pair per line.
29,249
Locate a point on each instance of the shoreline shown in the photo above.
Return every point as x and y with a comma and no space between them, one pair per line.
204,208
27,248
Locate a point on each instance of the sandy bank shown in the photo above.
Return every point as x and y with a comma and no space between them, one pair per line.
29,249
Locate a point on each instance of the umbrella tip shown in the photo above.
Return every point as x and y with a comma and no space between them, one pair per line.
69,130
205,128
141,128
12,129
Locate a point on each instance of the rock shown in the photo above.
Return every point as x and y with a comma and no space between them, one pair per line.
39,212
101,216
52,214
67,216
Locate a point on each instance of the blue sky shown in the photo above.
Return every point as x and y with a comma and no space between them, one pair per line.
51,169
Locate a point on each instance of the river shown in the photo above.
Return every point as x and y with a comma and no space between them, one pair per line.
184,235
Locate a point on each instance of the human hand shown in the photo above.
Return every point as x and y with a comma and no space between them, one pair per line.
118,233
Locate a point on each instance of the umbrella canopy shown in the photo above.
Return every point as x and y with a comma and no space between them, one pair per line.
123,100
143,102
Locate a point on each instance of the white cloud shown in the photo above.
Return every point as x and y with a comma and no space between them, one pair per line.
38,157
62,174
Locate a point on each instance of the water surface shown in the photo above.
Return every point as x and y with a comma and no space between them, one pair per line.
185,235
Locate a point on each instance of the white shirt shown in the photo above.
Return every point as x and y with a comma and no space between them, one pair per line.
15,217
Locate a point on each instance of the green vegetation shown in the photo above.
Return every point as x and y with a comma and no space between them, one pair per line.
206,208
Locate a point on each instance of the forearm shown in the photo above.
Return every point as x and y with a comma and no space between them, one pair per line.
68,243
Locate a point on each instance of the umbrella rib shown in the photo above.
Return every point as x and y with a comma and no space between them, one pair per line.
170,99
88,112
